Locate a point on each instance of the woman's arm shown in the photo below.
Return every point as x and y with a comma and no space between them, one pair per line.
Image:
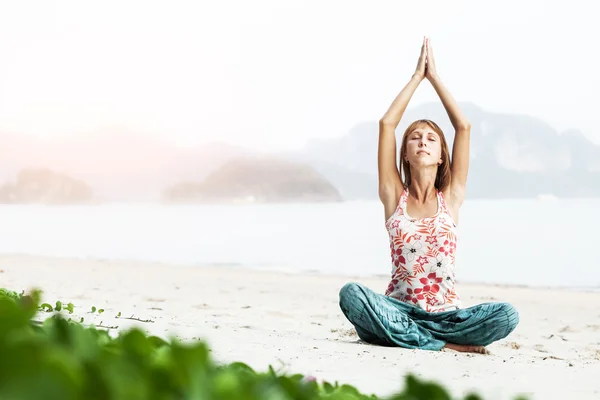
461,148
390,187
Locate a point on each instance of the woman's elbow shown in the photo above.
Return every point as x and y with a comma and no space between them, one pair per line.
464,126
387,122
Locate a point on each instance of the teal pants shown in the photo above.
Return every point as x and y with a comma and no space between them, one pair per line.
386,321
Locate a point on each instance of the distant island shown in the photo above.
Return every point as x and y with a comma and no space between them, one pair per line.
512,156
256,180
43,186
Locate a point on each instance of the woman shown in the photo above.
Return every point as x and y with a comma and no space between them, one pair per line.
420,308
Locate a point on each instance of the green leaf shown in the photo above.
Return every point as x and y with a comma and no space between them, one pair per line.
93,309
328,387
46,307
58,306
425,390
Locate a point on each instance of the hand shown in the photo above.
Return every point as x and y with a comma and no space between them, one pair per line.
421,64
430,69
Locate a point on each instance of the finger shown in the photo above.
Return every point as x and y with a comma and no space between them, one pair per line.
430,53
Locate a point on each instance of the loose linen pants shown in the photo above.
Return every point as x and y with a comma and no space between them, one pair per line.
386,321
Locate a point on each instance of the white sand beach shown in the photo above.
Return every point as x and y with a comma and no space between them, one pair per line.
293,322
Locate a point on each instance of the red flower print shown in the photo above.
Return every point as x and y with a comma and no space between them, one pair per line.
431,283
414,297
397,257
452,245
418,265
395,224
448,247
432,300
391,286
432,240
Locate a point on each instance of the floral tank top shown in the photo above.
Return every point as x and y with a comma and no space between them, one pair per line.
423,254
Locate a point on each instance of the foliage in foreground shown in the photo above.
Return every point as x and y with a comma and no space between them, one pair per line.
60,359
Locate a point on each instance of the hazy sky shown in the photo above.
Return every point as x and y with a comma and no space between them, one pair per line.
271,74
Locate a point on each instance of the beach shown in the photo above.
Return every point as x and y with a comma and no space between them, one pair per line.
292,321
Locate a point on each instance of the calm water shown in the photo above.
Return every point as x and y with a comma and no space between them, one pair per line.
501,241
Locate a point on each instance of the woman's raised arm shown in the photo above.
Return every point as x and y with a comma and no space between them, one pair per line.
460,150
390,187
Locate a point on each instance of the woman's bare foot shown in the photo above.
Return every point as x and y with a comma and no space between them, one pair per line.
463,348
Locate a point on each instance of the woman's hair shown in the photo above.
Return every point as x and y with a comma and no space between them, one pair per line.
442,179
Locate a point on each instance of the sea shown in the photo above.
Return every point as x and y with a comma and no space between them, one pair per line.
528,242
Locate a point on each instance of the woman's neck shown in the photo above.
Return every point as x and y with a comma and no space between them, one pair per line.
422,186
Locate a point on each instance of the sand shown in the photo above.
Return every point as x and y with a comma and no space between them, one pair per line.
293,322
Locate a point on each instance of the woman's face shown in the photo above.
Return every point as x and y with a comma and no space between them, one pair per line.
423,147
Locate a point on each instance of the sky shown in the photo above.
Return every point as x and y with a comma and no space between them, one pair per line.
272,74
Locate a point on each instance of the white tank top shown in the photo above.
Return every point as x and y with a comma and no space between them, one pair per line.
423,253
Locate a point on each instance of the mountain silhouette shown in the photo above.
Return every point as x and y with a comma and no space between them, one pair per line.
512,155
